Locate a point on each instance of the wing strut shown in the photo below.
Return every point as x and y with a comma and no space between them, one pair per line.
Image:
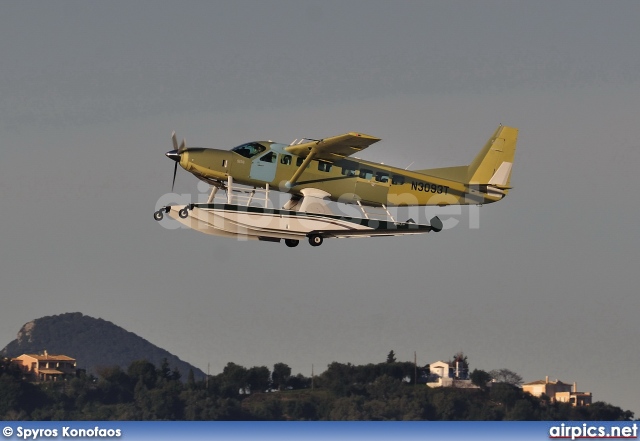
291,182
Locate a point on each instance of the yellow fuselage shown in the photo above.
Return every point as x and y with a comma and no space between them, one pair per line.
346,180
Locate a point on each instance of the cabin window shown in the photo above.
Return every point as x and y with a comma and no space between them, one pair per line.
269,157
397,180
366,174
348,171
249,150
324,166
299,162
285,159
382,177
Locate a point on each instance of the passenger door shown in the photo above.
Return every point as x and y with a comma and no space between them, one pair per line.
263,168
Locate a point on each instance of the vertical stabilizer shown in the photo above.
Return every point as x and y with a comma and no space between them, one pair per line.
494,162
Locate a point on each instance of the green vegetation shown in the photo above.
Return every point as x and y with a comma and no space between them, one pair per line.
383,391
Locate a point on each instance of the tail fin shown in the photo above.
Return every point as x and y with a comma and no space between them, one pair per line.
492,166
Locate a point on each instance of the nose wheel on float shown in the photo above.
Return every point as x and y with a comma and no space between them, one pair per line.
159,215
183,213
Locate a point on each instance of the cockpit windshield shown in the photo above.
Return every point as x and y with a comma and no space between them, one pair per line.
249,149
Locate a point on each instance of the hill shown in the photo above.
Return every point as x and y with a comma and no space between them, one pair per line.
92,342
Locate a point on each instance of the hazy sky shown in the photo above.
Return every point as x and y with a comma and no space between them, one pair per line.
548,285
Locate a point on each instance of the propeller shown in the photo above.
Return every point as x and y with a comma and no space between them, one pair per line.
176,154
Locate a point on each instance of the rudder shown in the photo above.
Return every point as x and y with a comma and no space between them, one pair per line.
494,162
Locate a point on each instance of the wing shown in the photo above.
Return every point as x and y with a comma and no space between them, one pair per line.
334,148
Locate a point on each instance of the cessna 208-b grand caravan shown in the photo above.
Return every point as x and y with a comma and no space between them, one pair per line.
313,171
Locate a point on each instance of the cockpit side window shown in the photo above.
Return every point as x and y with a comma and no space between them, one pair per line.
249,150
269,157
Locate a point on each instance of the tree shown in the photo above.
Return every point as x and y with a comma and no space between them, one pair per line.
338,378
506,376
11,393
601,411
191,379
391,357
280,375
505,394
424,373
522,411
384,388
258,378
480,378
451,404
116,386
142,370
164,372
460,365
232,380
299,381
348,409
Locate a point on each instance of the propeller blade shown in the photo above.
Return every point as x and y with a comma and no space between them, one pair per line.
183,146
175,170
175,140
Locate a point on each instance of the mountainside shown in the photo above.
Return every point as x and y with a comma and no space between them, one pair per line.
92,342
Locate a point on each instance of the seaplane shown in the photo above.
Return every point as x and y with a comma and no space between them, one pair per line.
315,172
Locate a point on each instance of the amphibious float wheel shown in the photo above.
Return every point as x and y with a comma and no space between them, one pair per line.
183,213
291,242
315,240
158,215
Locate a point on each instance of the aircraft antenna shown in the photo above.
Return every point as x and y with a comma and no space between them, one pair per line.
409,165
